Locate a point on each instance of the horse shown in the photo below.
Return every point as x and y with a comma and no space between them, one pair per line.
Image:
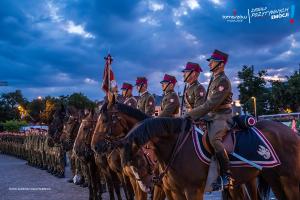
56,125
117,119
185,175
96,164
84,153
113,123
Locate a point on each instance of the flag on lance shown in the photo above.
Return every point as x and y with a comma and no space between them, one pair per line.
109,81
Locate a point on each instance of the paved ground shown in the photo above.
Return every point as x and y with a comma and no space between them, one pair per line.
22,182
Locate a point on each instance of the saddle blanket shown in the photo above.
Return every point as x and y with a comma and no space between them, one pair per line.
250,144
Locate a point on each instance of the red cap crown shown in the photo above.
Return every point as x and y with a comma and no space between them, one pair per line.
190,66
126,86
169,79
219,56
141,80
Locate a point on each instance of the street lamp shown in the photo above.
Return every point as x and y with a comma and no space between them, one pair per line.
254,103
40,98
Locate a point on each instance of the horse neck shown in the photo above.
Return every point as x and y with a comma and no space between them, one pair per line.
163,148
131,121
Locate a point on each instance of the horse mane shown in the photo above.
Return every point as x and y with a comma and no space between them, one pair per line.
155,127
132,112
128,110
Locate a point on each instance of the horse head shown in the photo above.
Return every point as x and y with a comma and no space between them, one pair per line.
56,125
114,122
70,128
82,145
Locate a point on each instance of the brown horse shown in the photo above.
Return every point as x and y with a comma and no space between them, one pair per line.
185,178
114,122
83,152
97,165
55,128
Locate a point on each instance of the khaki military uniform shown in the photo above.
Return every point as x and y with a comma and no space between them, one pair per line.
146,103
170,104
218,109
194,95
131,101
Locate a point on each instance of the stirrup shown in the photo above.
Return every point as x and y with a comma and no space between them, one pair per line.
219,184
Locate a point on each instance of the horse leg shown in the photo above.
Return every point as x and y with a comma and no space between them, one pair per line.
168,194
158,193
274,182
116,183
290,187
129,187
91,181
110,185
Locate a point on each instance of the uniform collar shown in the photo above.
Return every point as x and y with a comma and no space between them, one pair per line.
219,74
169,91
142,94
193,83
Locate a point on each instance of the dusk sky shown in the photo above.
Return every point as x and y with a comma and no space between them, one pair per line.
57,47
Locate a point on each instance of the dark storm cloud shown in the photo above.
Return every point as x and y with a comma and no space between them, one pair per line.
57,47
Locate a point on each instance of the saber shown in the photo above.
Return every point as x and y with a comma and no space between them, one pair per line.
253,164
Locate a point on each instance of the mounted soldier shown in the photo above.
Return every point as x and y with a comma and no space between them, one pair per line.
170,102
129,99
146,102
217,107
194,94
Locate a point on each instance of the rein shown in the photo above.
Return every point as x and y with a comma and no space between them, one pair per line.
182,138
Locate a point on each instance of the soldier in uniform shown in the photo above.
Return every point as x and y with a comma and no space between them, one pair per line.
217,106
146,103
170,102
127,95
195,93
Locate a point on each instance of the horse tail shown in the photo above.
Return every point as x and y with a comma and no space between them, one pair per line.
263,189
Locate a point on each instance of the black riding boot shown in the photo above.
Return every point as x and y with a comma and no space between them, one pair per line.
224,181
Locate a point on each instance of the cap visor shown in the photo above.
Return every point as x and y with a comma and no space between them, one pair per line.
186,70
164,82
215,59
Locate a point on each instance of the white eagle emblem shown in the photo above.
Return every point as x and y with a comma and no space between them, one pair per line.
171,100
264,152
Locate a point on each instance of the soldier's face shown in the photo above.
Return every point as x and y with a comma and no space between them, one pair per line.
123,93
141,88
164,86
185,75
212,64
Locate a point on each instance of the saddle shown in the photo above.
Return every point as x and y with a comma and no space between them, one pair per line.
238,123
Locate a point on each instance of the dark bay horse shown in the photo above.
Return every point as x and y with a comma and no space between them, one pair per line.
55,127
82,149
114,122
97,164
186,176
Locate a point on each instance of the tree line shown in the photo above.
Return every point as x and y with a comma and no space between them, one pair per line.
14,106
272,96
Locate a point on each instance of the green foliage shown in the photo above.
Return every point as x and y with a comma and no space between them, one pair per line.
276,98
8,105
80,101
253,85
13,125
